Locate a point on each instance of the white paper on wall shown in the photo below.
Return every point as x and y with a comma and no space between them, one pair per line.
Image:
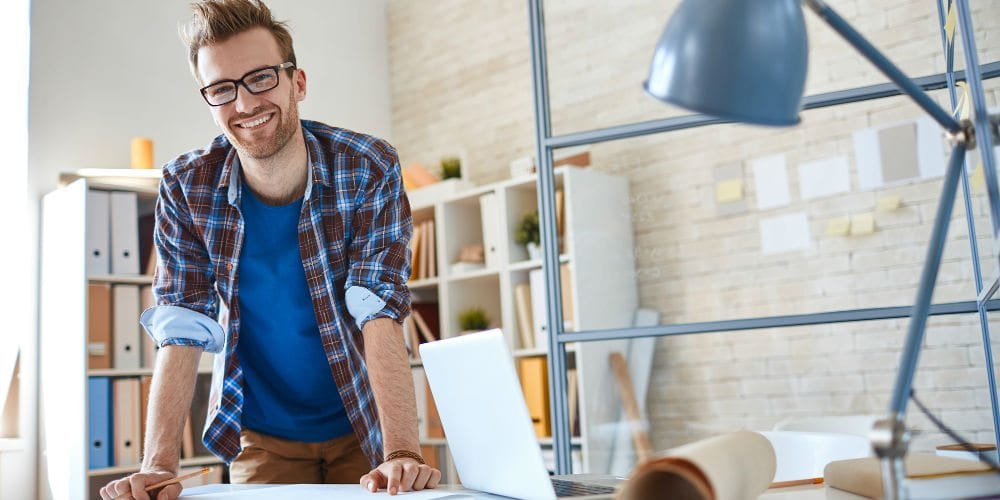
770,177
867,156
784,233
930,148
824,177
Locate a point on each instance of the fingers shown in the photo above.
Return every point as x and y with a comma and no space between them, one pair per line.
115,489
393,472
423,474
137,485
411,470
434,479
373,481
170,492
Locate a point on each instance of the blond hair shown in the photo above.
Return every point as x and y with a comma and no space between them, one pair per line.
215,21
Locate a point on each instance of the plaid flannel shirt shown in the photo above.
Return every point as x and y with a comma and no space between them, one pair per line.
354,231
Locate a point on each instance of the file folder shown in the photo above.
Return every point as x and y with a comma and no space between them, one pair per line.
98,326
98,233
127,331
124,233
127,422
99,445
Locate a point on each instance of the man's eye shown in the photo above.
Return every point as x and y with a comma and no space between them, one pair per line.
220,90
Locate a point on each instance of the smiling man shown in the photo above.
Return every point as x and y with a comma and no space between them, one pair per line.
282,247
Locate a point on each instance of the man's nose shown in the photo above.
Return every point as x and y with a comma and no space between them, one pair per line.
245,101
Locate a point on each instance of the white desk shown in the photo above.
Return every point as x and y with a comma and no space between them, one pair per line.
349,491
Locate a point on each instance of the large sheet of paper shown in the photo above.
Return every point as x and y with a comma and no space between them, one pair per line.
305,492
770,177
784,233
824,177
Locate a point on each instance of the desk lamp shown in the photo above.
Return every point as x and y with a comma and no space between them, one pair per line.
745,61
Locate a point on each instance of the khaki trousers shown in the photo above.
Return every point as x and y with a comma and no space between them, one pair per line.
270,459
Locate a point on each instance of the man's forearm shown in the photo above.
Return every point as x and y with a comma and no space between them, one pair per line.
392,383
169,402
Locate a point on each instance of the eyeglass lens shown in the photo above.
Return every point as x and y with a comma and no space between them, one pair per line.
257,82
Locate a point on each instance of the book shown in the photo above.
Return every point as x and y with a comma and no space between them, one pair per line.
425,331
525,323
428,312
126,330
489,211
572,400
425,253
98,236
124,232
929,476
147,344
415,248
566,287
431,249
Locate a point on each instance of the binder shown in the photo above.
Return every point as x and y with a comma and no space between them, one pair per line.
147,345
536,280
127,421
145,386
490,216
124,232
126,329
566,286
98,326
99,445
534,381
98,233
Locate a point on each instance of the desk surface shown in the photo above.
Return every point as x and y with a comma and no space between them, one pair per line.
349,491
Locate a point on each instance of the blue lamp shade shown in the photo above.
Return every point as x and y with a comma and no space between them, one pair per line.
740,60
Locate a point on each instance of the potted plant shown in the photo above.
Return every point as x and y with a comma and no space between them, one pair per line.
473,320
451,168
527,234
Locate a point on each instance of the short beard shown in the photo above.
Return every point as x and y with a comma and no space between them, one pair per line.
286,130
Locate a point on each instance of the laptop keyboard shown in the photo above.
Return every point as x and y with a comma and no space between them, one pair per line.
566,488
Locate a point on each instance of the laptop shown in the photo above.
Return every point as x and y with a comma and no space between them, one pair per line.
490,435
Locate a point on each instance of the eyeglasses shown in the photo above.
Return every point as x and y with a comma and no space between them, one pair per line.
256,82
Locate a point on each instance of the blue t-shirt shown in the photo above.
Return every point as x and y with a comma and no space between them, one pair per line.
288,389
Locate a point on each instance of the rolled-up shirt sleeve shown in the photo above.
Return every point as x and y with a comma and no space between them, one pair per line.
186,309
379,252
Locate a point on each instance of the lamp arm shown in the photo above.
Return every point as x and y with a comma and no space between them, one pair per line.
921,307
840,25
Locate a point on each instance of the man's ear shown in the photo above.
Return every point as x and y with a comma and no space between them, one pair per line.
299,81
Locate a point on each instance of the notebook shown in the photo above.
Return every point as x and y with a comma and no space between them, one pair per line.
485,418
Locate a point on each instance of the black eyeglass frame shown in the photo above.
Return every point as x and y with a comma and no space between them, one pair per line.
242,81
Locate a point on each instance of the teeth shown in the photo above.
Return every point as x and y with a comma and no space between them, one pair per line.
257,122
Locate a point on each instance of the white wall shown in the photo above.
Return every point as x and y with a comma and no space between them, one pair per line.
104,71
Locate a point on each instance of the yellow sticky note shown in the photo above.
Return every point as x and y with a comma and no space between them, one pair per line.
838,227
729,191
889,203
978,178
862,224
949,23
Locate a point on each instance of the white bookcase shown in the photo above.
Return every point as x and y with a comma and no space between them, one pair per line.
64,469
597,247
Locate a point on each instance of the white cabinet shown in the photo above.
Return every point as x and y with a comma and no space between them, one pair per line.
597,252
66,372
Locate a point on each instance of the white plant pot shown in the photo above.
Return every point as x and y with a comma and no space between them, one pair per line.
534,251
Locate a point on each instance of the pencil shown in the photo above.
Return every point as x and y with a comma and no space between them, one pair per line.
798,482
167,482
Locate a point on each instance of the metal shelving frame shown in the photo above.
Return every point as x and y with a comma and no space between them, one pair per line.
546,143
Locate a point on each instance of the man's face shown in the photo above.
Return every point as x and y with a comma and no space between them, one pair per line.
258,125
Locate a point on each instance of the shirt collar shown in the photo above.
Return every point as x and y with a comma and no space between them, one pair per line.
230,179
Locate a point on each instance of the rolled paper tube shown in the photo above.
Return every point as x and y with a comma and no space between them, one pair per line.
735,466
142,152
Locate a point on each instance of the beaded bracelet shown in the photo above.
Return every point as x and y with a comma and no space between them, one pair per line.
404,454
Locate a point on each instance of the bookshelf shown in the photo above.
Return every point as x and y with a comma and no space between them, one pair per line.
596,236
83,319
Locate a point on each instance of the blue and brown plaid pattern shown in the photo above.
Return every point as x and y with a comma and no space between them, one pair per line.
354,230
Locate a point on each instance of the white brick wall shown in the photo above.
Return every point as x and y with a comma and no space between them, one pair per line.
461,85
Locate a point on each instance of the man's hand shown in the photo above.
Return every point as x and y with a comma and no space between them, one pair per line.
401,474
134,486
